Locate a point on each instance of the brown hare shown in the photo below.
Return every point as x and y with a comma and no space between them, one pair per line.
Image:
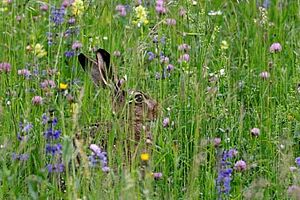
139,108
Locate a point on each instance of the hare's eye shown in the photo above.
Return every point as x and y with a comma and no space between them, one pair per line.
138,98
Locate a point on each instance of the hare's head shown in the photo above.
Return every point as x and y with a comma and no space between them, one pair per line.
141,106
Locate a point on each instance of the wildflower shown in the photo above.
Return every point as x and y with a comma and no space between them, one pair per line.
54,149
39,50
275,48
160,7
44,7
141,16
20,157
293,169
121,9
164,59
294,191
224,45
222,72
72,20
67,3
171,22
166,122
76,45
145,156
59,167
37,100
57,15
47,84
255,131
77,7
69,54
24,72
98,156
5,67
217,142
214,13
157,175
170,67
240,165
63,86
297,161
184,58
264,75
184,47
151,55
182,12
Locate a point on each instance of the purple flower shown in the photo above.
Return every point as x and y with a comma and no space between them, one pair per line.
160,7
47,84
59,167
24,72
297,161
54,149
275,47
98,156
255,131
76,45
5,67
240,165
170,67
67,3
157,175
151,55
184,58
69,54
164,59
57,15
184,47
166,122
72,20
20,157
171,22
121,9
217,142
44,7
182,12
37,100
105,169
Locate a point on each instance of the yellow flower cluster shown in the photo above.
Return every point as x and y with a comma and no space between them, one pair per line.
39,50
141,15
224,45
77,7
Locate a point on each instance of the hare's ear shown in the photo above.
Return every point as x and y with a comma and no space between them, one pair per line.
100,69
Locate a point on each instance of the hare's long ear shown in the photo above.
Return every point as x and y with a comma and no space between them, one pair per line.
99,70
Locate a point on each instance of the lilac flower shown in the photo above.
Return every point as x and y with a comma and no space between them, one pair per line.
76,45
240,165
5,67
184,47
151,55
67,3
27,128
164,59
217,142
20,157
297,161
24,72
170,67
98,157
121,9
59,167
157,175
72,21
264,75
275,47
166,122
57,15
69,54
184,58
160,7
255,131
37,100
171,22
51,134
54,149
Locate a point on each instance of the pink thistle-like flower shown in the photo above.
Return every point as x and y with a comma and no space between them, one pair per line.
166,122
171,22
44,7
157,175
275,47
184,58
217,142
37,100
5,67
24,72
255,131
240,165
76,45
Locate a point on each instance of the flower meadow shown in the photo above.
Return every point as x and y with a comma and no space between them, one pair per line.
224,73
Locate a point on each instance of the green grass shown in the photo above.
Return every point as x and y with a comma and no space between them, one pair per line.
201,103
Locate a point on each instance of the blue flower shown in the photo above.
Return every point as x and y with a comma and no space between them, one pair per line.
57,15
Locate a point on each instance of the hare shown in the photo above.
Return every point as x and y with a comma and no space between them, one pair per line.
136,105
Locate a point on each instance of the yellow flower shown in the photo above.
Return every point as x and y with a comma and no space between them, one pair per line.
141,15
39,50
63,86
145,156
77,7
224,45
